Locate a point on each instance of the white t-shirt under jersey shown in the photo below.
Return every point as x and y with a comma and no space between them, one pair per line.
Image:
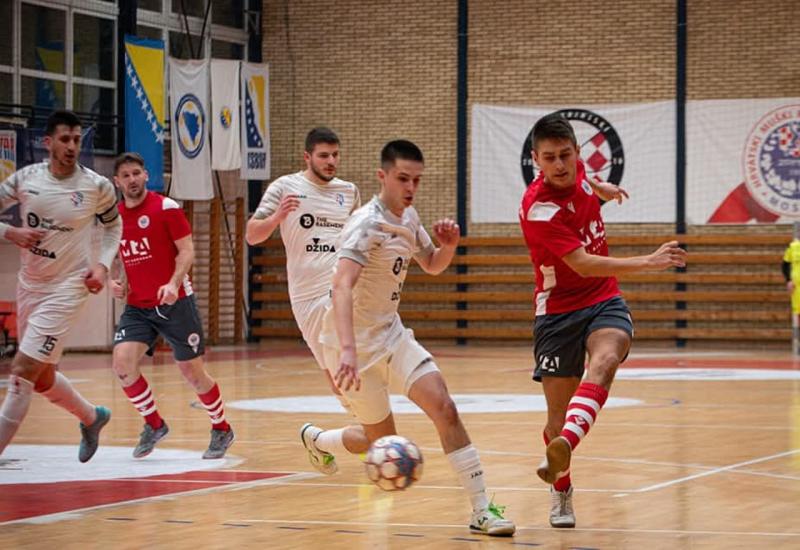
383,244
309,233
66,209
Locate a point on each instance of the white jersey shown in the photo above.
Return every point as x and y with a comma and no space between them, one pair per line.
383,244
309,233
66,209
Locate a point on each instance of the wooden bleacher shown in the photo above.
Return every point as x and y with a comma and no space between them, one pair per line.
731,290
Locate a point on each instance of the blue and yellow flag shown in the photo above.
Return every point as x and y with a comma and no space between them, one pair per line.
144,105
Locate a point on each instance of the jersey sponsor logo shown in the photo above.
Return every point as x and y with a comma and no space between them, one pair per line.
46,223
340,199
33,220
134,249
143,222
43,252
398,266
315,246
771,161
306,221
76,198
601,147
593,236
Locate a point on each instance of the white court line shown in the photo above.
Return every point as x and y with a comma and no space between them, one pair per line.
712,472
519,528
72,514
440,487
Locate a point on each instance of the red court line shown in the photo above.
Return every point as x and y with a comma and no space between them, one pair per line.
30,500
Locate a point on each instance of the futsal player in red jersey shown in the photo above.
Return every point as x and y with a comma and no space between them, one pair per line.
578,305
157,252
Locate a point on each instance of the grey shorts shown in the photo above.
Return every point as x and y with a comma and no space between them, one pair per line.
559,347
179,324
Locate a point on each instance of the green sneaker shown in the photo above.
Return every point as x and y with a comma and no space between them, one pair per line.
90,435
491,522
322,461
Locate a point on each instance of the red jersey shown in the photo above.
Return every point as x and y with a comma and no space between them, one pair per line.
555,222
147,247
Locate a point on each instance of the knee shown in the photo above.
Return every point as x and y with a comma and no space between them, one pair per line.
446,412
603,367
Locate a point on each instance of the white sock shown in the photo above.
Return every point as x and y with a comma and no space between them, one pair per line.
63,394
331,441
14,408
467,465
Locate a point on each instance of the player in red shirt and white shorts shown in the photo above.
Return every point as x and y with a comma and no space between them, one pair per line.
157,252
579,309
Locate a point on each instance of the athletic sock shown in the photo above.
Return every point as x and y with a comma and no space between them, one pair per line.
467,465
14,408
140,394
582,412
212,401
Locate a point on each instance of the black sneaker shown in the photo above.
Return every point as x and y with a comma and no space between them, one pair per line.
220,441
90,435
148,439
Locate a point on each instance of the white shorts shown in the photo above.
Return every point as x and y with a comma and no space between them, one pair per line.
308,315
45,318
396,371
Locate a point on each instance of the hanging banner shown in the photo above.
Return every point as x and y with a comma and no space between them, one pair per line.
631,145
255,121
191,160
144,105
743,161
225,148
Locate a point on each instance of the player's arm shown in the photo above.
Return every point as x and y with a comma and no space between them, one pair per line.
109,218
344,280
589,265
119,280
607,191
447,233
261,224
168,293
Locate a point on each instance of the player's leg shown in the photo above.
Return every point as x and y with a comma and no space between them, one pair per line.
45,319
558,391
136,334
181,326
351,439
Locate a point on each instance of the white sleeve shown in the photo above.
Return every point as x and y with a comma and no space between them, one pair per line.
270,201
357,240
424,245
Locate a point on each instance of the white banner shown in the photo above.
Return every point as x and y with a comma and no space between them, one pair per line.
632,145
743,160
225,149
255,121
191,161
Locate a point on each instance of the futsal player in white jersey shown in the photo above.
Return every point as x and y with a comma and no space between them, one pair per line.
311,208
366,348
59,202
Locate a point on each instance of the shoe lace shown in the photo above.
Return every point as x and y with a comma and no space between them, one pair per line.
327,458
497,510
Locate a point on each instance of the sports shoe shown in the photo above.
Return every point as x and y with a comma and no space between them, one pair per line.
556,461
322,461
220,441
148,439
561,513
491,522
90,435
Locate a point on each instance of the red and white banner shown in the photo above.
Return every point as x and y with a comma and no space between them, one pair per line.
631,145
743,161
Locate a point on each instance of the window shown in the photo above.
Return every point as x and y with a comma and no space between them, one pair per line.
152,5
228,12
148,32
179,46
226,50
6,88
100,102
43,93
93,47
194,8
6,34
43,37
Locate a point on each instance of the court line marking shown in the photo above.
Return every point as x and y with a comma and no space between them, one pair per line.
713,471
524,528
72,514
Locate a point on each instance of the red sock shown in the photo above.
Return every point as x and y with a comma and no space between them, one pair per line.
212,401
563,483
142,398
582,412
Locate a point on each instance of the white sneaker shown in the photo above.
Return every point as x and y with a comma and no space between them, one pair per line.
556,460
561,512
491,522
322,461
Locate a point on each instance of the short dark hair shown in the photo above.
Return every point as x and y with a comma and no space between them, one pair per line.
552,126
400,149
126,157
320,134
57,118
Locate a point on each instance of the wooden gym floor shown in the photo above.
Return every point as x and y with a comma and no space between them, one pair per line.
696,450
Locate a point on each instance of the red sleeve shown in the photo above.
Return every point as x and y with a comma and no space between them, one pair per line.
554,235
177,224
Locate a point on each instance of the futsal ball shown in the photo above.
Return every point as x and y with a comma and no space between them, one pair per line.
393,463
